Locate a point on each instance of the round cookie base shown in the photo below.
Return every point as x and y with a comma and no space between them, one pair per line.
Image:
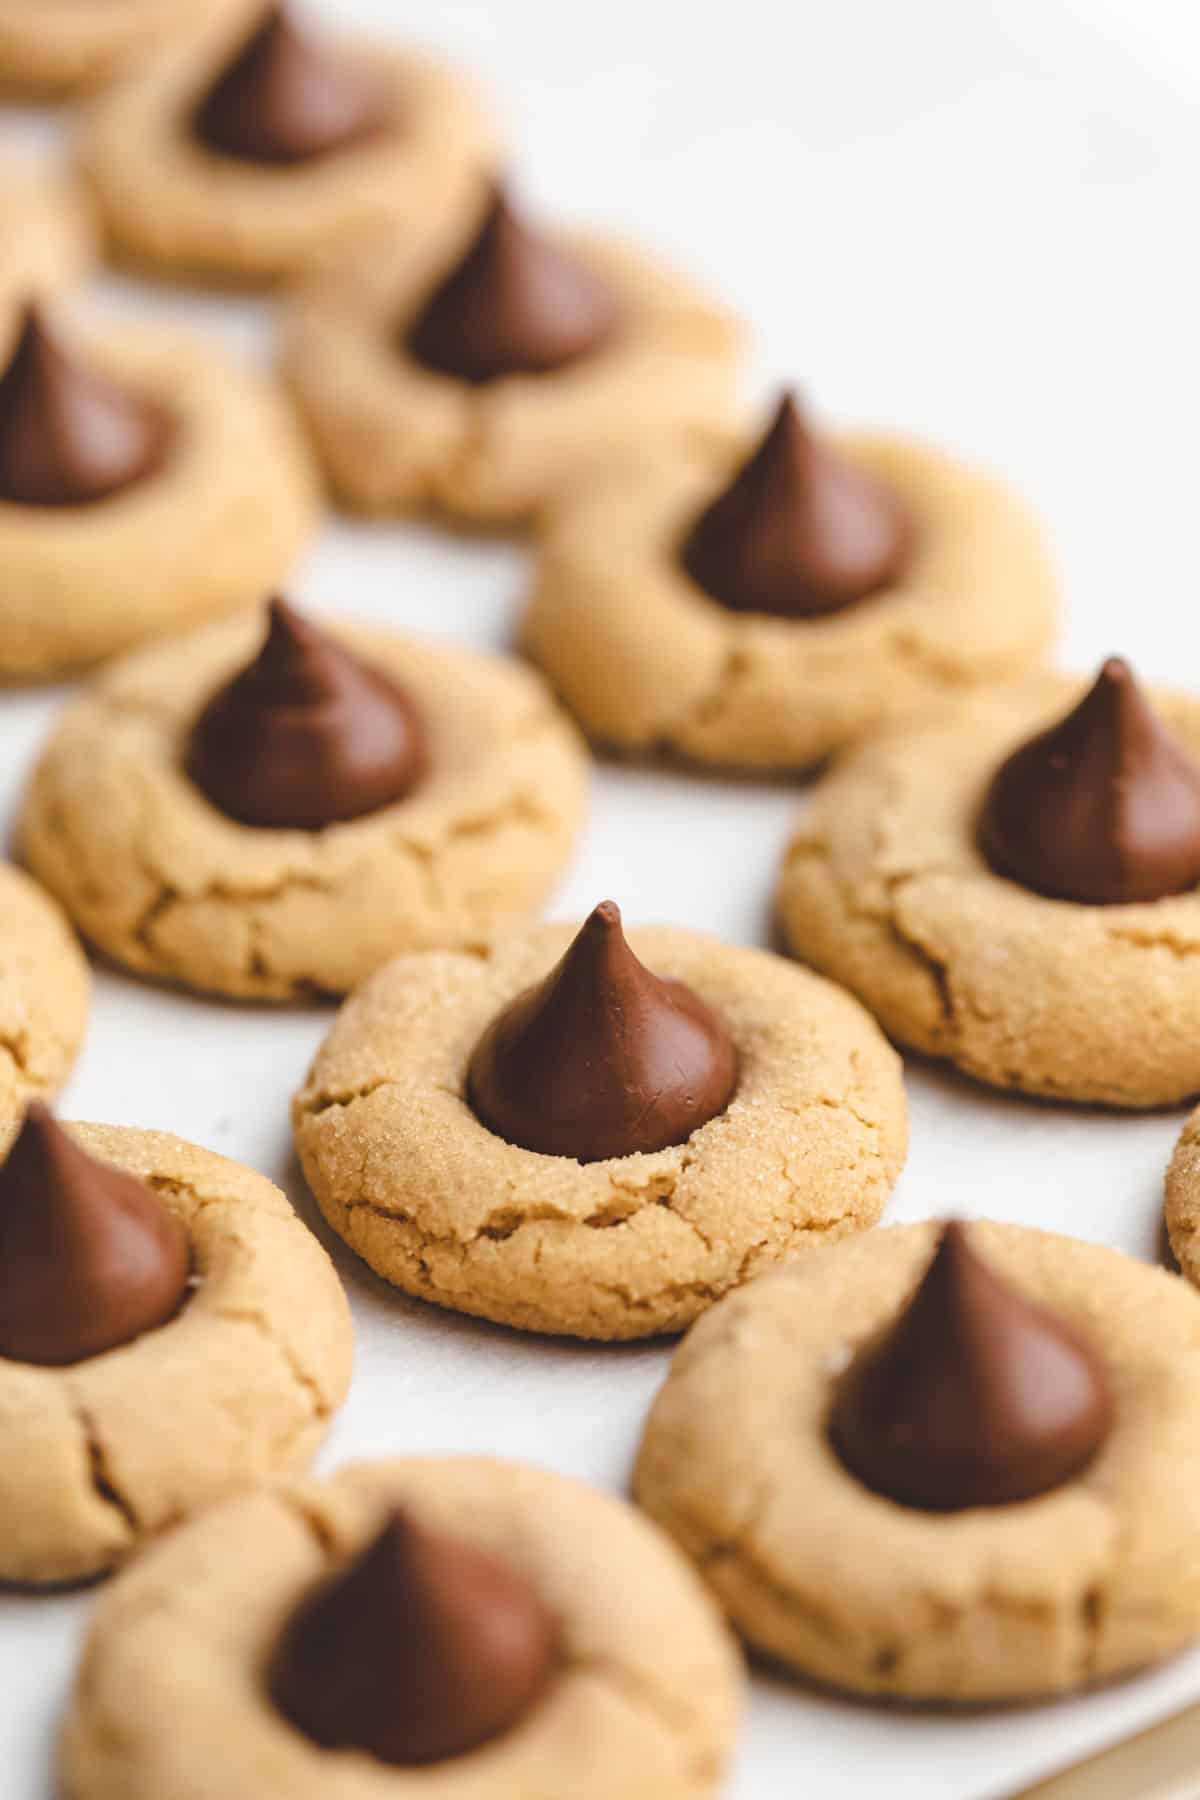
171,1699
172,888
994,1604
884,889
172,205
211,531
396,437
650,664
100,1456
633,1247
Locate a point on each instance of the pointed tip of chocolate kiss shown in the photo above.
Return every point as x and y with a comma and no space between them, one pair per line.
602,1058
285,97
306,735
1103,808
516,303
422,1648
68,435
973,1396
90,1258
800,530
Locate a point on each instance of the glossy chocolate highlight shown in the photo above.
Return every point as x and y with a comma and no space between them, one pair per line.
516,304
421,1649
90,1258
602,1058
799,531
306,735
288,98
974,1396
1103,808
68,435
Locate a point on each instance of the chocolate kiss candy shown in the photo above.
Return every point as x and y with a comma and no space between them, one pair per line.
602,1058
421,1649
68,436
515,305
89,1257
974,1397
799,531
306,734
1104,808
286,99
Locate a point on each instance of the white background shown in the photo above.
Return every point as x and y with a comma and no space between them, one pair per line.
975,219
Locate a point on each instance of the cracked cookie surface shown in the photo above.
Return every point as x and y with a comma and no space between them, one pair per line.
171,202
648,662
59,45
171,1698
884,889
809,1146
396,437
44,991
166,884
102,1455
1182,1209
210,531
1090,1581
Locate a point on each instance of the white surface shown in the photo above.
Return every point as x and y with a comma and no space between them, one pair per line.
972,219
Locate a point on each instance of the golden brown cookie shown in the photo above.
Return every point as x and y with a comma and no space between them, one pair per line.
164,882
171,1696
624,1247
1088,1581
44,991
47,239
100,1455
214,525
173,203
885,889
1182,1212
60,45
647,661
397,436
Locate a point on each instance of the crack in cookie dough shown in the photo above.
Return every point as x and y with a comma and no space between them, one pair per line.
403,1169
101,1474
45,987
648,1669
883,889
1005,1602
169,886
100,1456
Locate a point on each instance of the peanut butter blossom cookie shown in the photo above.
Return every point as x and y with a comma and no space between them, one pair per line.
762,606
1012,884
44,989
569,1132
144,484
947,1465
169,1333
57,45
270,817
464,1627
475,367
246,151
